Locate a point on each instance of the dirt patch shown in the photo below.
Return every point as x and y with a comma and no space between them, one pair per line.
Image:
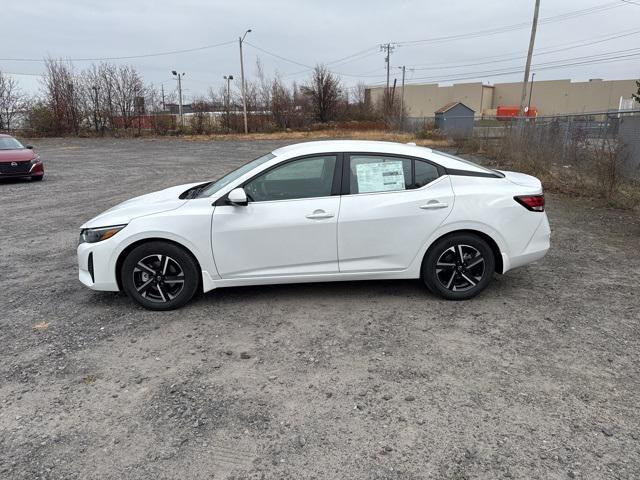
539,377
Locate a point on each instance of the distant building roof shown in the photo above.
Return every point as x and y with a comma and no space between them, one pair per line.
450,105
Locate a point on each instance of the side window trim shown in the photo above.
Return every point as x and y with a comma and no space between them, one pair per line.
346,171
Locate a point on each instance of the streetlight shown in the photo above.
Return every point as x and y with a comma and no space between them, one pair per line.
228,78
244,98
179,75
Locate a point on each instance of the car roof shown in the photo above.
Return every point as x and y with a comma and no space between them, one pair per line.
326,146
370,146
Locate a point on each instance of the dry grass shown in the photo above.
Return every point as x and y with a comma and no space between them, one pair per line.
326,135
579,168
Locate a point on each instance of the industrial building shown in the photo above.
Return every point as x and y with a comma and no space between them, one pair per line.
550,97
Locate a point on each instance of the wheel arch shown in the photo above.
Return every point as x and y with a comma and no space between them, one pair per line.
142,241
499,266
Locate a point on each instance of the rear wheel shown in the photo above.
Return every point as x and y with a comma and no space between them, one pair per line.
160,275
458,266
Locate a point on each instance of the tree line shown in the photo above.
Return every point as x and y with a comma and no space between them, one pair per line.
108,97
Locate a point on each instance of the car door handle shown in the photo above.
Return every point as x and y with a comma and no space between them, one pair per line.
319,214
434,205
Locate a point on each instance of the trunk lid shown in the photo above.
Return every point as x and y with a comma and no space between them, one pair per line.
523,179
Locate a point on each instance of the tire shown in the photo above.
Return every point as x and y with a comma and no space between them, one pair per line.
37,179
446,275
160,275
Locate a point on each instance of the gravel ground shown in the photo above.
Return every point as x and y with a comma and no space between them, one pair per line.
536,378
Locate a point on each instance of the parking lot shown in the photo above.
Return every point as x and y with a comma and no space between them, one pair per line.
539,377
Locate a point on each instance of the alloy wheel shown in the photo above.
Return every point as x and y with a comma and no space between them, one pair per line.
158,278
460,268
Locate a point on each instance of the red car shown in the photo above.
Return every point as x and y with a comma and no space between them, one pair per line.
16,160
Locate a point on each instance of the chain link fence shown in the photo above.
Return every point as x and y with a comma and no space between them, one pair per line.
571,139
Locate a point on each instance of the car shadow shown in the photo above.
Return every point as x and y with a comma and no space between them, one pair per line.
361,289
14,180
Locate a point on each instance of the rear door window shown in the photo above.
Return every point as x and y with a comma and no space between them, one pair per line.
370,174
425,173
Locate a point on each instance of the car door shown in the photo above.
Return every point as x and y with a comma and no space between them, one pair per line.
389,209
288,227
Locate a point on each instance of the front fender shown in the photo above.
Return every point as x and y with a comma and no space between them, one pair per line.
190,228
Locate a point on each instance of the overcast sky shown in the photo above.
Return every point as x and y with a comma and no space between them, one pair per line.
312,31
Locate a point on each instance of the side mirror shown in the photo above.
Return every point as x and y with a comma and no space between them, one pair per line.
237,197
30,147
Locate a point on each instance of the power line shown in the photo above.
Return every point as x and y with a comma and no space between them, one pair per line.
507,28
129,57
517,26
536,67
505,58
278,56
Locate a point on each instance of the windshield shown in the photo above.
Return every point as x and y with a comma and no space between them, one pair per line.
10,143
230,177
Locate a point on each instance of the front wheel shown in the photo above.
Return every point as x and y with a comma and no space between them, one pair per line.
160,275
458,266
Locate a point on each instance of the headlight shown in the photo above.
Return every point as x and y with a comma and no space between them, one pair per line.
35,160
93,235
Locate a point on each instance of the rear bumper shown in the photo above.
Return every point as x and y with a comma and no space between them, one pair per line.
537,247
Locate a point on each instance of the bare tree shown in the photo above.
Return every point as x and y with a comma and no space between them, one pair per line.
12,100
127,89
263,88
282,104
323,90
359,107
222,101
61,94
201,119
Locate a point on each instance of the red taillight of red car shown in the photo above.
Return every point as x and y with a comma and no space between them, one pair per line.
535,203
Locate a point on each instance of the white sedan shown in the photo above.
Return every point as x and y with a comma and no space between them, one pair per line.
319,212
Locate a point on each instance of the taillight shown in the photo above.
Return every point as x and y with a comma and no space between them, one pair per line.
535,203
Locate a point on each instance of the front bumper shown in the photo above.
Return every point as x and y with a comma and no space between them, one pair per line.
96,265
22,171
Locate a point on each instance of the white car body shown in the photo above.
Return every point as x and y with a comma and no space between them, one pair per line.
382,235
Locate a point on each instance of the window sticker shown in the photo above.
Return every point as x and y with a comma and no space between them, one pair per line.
380,177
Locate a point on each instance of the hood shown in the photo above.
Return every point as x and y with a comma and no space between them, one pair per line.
155,202
20,155
522,179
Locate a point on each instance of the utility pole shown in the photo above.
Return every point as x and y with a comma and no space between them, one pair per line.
179,75
244,95
530,91
402,99
162,90
387,48
534,27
